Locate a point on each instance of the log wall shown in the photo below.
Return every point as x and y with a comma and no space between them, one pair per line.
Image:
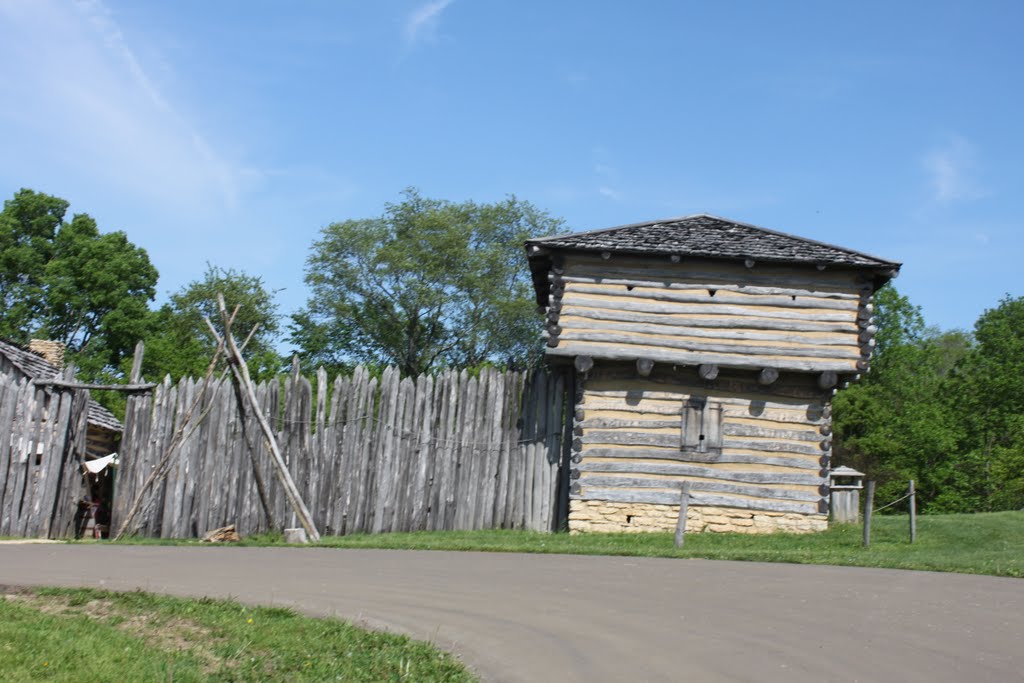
768,316
628,447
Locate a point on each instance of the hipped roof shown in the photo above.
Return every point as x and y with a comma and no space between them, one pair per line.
706,236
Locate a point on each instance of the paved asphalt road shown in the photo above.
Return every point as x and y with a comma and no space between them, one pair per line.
568,618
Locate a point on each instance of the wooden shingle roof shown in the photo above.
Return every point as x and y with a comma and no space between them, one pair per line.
36,367
713,237
705,236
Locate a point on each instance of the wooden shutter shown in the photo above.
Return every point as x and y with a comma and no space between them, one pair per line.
693,424
713,427
702,425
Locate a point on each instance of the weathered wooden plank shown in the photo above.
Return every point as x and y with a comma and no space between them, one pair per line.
628,350
654,292
668,340
436,444
799,462
734,429
638,279
847,327
425,452
60,417
495,439
688,470
385,458
572,300
685,329
620,482
630,438
671,497
768,274
464,493
752,401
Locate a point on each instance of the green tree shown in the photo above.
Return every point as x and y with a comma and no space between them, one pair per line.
898,423
178,342
988,390
65,281
28,226
429,283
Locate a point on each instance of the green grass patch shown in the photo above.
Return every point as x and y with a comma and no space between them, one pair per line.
88,635
982,543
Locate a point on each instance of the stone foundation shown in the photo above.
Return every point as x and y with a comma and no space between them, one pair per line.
602,516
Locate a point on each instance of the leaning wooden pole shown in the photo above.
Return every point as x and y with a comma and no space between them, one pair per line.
285,477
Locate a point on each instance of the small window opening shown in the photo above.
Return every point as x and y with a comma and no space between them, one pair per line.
712,292
794,297
629,287
629,519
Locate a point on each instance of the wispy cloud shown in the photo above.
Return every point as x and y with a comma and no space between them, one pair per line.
607,174
422,22
79,91
951,170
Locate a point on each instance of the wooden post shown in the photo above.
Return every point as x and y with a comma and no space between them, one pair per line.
684,505
869,504
913,512
136,376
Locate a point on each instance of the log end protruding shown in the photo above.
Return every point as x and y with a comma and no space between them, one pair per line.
583,363
644,366
767,376
707,371
828,379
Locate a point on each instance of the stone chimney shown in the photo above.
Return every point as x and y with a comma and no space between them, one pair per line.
52,351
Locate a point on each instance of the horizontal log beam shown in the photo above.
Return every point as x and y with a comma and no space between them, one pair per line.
721,285
733,429
696,321
720,297
782,401
705,458
683,328
685,469
674,342
698,499
615,481
644,270
97,387
629,303
629,352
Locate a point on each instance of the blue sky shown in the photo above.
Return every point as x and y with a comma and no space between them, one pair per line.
231,132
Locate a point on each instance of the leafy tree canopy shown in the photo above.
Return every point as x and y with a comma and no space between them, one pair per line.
178,342
430,283
65,281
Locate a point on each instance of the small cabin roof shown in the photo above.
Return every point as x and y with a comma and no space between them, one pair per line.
36,367
707,236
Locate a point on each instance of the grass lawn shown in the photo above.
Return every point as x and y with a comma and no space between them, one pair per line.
983,543
88,635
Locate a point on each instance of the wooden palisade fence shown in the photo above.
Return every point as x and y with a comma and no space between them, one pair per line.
40,460
446,451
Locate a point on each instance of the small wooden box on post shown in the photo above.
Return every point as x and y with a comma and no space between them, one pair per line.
706,351
845,487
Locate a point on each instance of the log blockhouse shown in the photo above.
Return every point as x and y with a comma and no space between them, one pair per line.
708,351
